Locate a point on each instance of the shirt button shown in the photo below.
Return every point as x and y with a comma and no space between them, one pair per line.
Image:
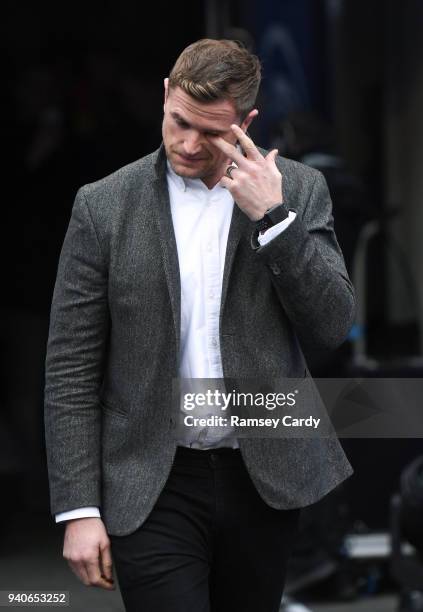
209,247
211,295
275,269
214,342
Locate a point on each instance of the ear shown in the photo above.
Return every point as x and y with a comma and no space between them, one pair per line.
166,91
248,119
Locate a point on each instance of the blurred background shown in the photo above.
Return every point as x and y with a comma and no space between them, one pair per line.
342,92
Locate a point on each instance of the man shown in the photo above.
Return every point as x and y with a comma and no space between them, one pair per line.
206,259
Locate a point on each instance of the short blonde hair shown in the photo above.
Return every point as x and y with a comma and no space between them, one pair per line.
211,70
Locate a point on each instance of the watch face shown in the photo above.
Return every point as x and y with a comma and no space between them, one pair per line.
277,214
273,216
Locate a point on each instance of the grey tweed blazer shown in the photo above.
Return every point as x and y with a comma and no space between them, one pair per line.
114,339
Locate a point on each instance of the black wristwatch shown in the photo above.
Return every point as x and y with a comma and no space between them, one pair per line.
274,215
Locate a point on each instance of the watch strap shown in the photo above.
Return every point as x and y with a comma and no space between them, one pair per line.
273,216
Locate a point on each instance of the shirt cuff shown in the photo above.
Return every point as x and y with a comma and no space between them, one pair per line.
277,229
86,512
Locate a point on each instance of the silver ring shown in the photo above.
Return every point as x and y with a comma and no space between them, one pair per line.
230,169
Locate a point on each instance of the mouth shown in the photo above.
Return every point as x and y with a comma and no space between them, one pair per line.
190,160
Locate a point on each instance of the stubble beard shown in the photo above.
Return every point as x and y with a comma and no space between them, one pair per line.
185,172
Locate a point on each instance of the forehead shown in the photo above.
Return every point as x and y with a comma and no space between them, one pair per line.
219,113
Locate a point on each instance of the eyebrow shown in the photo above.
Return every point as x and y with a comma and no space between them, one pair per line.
176,115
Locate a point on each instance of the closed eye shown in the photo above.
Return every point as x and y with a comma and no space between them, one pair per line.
183,124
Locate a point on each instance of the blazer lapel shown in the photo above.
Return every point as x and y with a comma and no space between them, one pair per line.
161,208
239,224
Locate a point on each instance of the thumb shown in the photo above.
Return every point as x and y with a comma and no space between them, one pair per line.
272,155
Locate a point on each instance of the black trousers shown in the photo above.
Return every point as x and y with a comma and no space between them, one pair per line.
210,543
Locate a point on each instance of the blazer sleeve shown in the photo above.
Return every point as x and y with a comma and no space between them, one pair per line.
309,274
76,348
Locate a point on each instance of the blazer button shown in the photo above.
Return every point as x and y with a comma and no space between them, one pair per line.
275,269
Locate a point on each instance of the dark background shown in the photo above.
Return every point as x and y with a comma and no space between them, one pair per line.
82,96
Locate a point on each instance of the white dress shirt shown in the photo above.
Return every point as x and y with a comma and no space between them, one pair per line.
201,220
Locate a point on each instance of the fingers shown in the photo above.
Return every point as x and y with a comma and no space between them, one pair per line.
106,563
89,572
230,169
95,577
230,150
272,155
247,144
225,182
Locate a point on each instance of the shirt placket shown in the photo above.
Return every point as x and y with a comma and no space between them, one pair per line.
213,289
210,252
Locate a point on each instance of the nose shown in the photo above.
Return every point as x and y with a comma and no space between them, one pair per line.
192,143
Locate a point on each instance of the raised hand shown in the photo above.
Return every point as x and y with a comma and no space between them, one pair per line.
255,182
